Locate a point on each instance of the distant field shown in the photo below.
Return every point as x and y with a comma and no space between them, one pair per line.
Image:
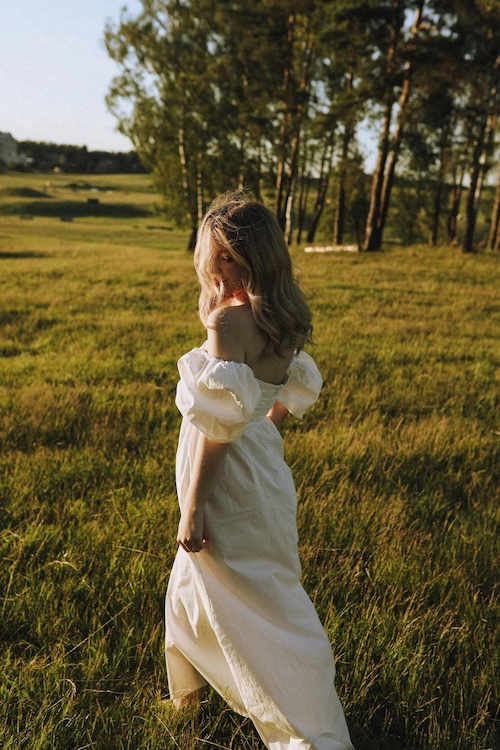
397,469
69,196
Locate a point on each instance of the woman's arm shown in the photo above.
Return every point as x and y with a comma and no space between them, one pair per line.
208,460
277,414
224,342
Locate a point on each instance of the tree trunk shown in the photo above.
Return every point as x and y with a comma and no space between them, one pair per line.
303,195
323,183
258,176
438,193
436,208
183,161
494,234
373,237
192,239
285,218
282,148
338,227
297,130
398,132
289,211
302,214
186,189
393,154
479,156
357,229
470,214
456,196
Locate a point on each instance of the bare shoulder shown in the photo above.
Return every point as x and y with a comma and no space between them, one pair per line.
227,331
230,320
226,316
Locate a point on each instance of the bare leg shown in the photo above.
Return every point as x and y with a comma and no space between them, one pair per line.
191,700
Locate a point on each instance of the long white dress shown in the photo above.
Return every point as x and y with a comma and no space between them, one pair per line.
237,616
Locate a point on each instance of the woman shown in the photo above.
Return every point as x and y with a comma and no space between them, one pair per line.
237,616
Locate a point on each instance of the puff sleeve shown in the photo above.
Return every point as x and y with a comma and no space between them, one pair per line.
216,396
303,385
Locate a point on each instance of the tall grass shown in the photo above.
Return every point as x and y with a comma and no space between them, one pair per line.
396,468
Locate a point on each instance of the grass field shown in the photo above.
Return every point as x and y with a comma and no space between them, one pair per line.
396,468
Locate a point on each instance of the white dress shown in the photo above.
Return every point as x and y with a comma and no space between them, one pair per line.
237,616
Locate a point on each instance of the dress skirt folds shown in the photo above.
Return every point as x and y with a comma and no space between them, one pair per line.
237,616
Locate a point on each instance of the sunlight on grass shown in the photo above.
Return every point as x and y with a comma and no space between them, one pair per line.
396,467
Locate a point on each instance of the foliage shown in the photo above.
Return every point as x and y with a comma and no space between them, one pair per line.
219,94
78,159
396,469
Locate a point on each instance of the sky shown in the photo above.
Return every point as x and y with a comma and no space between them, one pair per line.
55,72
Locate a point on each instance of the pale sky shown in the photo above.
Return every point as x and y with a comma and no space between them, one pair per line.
55,71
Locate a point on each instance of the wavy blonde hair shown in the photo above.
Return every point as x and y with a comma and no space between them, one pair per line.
250,233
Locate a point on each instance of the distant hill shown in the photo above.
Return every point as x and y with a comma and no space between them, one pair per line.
77,159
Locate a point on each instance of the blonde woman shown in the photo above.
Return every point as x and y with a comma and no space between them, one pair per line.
237,616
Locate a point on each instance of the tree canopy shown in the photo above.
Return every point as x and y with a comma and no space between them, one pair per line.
272,96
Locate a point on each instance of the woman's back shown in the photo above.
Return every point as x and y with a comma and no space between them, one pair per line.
234,335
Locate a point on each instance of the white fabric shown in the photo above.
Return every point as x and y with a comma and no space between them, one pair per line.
237,616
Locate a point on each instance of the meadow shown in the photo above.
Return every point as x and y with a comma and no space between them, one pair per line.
396,468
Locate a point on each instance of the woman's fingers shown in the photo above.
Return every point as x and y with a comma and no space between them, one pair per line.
190,532
190,545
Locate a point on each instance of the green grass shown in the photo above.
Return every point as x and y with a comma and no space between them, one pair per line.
396,466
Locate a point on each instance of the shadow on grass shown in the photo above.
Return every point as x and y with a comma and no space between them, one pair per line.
21,256
25,192
76,209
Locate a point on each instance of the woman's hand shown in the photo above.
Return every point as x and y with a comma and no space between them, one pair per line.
207,463
190,533
277,414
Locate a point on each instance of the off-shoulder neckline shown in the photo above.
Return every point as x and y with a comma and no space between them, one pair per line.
244,364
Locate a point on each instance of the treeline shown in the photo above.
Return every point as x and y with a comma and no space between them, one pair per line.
273,96
78,159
